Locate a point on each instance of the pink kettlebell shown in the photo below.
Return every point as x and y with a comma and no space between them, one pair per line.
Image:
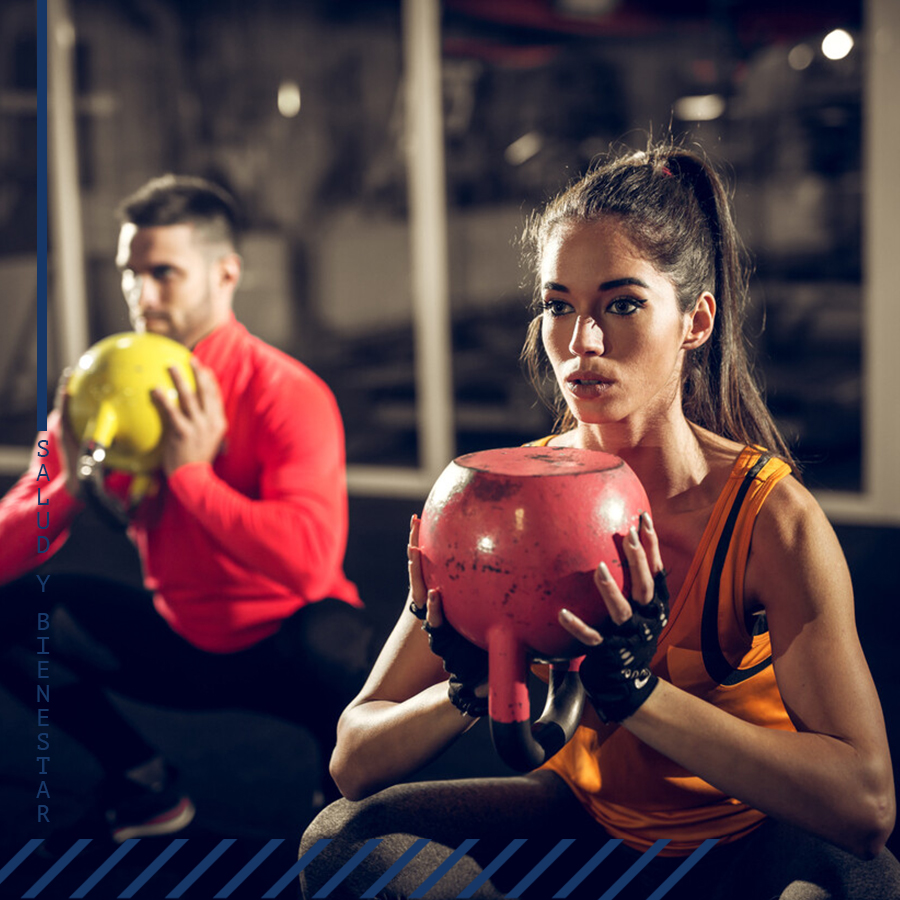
510,537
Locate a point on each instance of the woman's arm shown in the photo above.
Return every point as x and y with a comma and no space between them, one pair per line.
833,776
403,717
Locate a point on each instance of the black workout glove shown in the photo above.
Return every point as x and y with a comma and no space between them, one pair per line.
466,664
616,674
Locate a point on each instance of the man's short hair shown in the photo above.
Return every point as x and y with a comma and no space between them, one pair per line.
184,199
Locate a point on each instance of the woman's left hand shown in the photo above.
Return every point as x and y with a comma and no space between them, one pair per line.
616,669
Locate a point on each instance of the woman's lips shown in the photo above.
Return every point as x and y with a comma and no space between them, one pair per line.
587,387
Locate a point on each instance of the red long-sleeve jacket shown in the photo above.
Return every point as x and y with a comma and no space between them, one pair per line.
231,548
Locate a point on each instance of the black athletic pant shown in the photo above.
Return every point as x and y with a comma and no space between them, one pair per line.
775,861
106,635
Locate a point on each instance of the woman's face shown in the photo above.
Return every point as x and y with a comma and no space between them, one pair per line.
611,325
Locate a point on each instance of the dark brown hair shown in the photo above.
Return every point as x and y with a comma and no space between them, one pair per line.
184,199
675,208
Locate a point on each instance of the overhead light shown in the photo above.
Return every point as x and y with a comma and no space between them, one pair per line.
289,99
801,57
837,44
523,148
699,108
586,8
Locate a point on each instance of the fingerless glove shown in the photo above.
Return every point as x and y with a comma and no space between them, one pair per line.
616,674
466,664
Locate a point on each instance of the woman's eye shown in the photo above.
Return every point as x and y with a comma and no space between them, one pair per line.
625,306
555,307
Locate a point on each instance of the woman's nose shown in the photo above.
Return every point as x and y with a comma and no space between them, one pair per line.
587,338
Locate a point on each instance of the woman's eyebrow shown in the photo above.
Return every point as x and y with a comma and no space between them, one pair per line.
623,282
605,286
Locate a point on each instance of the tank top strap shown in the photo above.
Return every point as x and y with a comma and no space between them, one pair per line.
755,473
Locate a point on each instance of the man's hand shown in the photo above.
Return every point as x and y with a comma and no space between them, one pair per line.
195,426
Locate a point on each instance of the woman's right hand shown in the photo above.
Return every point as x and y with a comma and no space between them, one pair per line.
401,720
465,663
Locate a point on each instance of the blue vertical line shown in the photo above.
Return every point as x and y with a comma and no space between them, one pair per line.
82,891
41,215
347,868
683,869
153,868
250,867
199,869
586,869
634,870
443,868
56,868
540,868
489,870
396,868
294,871
16,861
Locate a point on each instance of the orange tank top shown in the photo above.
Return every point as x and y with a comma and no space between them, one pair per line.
638,794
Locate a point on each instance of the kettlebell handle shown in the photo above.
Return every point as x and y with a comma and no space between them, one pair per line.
91,476
519,743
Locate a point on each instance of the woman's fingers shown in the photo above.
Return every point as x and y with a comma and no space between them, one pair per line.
417,590
579,629
650,541
638,568
435,617
618,607
644,561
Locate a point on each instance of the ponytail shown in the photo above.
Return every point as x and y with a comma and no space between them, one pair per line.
676,209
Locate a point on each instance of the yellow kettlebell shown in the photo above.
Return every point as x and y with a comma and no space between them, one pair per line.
109,408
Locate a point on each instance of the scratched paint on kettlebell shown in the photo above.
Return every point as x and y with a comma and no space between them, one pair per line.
515,548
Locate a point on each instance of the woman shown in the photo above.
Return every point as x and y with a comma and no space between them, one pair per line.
746,713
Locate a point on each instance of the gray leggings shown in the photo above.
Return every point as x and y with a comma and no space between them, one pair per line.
775,861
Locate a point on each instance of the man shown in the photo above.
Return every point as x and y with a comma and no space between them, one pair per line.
245,602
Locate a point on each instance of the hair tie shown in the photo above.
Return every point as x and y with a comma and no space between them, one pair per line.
667,171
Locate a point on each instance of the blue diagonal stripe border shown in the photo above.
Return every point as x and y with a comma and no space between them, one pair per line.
153,868
19,858
443,868
634,870
586,869
55,869
215,890
293,873
396,868
251,867
95,878
540,868
683,869
347,868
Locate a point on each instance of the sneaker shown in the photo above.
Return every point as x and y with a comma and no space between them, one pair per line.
122,810
163,816
135,811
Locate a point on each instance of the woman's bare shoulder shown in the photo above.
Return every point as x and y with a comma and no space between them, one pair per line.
795,550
